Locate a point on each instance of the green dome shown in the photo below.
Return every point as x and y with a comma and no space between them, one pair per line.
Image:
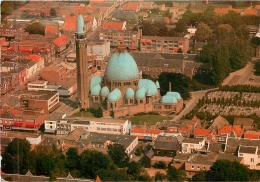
94,81
169,99
95,90
140,93
157,84
114,95
121,66
148,85
174,94
130,93
104,91
80,25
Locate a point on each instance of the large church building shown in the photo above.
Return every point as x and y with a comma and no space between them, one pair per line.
121,91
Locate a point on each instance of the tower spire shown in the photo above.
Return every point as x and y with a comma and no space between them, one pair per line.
82,64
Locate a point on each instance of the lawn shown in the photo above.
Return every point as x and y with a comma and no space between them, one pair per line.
84,114
149,119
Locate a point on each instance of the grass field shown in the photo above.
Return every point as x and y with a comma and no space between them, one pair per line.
149,119
84,114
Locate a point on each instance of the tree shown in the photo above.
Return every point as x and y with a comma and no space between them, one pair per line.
35,28
72,159
53,12
118,154
224,31
91,161
134,169
200,176
179,50
159,176
203,32
16,157
175,175
113,175
225,170
179,83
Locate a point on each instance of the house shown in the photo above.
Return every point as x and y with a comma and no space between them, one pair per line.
229,130
244,123
29,65
199,162
145,133
147,5
250,155
190,145
61,44
132,6
73,137
166,146
38,59
116,25
231,158
51,30
251,134
180,159
215,147
184,127
201,133
147,157
218,123
128,16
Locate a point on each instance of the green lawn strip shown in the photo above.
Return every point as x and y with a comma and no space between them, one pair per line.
149,119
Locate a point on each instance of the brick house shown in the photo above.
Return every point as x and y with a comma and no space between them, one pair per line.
61,44
116,25
166,146
38,59
251,134
145,132
53,74
244,123
51,30
229,130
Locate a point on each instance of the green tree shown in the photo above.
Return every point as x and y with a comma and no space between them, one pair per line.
91,161
225,170
118,154
203,32
200,176
159,176
175,175
53,12
72,159
35,28
134,169
113,175
179,83
224,31
16,157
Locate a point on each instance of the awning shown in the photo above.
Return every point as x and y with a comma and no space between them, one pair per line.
132,47
181,42
148,41
133,39
142,40
120,38
175,49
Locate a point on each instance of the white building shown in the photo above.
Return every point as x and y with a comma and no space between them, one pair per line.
190,145
99,47
250,155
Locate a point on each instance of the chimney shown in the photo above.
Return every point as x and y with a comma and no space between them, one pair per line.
170,86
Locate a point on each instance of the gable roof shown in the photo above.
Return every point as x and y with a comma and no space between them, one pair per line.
166,143
76,134
193,140
35,57
51,29
70,23
201,132
243,121
229,157
61,41
228,130
218,123
250,134
248,149
113,25
216,147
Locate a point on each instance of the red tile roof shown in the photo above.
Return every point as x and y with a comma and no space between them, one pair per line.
88,18
95,1
46,11
146,131
70,23
14,111
221,11
228,129
250,134
131,6
196,119
35,57
113,25
250,11
61,41
201,132
52,29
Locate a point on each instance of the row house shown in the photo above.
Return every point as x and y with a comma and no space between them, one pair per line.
166,146
163,44
114,25
61,44
229,131
146,134
13,30
132,6
97,125
30,65
208,135
127,38
38,59
53,74
47,101
13,119
101,141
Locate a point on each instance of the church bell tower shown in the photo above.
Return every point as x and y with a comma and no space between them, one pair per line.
82,64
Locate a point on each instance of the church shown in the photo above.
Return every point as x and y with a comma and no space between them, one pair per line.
121,91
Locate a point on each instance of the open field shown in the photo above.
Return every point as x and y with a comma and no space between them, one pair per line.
149,119
84,114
